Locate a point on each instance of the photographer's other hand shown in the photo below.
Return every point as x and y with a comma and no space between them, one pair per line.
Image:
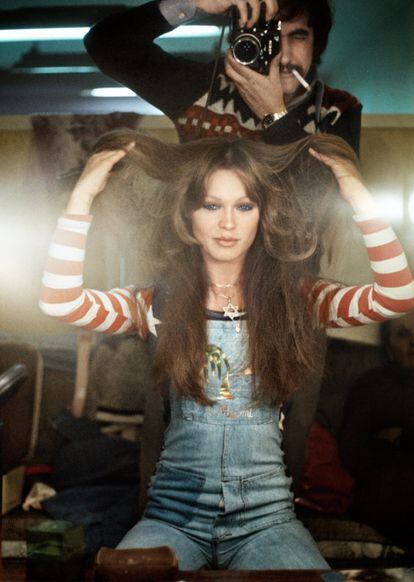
221,6
262,93
94,178
349,181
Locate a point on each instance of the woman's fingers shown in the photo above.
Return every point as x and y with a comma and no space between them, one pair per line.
323,158
333,163
106,159
97,169
349,180
105,155
94,178
337,164
129,146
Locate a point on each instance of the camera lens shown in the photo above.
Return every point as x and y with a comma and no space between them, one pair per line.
246,49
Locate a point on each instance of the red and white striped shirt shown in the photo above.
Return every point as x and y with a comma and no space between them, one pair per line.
128,309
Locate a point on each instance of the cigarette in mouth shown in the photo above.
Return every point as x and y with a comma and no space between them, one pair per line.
301,79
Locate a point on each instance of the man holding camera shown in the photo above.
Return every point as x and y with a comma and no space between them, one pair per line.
234,99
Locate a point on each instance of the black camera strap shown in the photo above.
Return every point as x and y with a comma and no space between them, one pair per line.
213,77
319,90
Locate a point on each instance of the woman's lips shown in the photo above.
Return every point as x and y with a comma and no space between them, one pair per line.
226,242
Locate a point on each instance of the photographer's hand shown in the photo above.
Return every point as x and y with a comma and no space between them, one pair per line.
221,6
262,93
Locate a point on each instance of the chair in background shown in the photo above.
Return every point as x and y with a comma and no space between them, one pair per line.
21,379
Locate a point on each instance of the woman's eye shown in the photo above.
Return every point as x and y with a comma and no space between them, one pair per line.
210,206
246,207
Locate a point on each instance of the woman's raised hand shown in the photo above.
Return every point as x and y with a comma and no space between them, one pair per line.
94,178
349,181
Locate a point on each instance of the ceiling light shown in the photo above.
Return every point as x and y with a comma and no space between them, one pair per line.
77,33
33,34
54,70
109,92
140,106
193,31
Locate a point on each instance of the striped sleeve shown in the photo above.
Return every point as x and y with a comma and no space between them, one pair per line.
391,294
63,295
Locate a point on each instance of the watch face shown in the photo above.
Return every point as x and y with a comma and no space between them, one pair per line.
268,120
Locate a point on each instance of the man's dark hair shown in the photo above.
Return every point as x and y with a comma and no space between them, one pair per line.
319,19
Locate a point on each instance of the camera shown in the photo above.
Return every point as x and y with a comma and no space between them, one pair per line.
255,47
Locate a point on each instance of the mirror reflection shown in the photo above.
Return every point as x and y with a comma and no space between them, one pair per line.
180,71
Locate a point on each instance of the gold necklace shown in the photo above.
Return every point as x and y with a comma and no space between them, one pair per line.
223,285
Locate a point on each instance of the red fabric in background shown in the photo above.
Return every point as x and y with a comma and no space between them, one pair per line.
325,485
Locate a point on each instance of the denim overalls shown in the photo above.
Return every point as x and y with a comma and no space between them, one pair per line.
220,496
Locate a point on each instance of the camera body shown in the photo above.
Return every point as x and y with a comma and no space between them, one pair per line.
255,47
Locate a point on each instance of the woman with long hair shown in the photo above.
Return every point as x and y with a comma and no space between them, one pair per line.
235,313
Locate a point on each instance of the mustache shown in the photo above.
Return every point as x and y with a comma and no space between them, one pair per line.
288,69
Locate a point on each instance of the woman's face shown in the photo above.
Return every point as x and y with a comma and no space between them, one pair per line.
225,226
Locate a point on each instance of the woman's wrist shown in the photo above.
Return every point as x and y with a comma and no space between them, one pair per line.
360,199
79,205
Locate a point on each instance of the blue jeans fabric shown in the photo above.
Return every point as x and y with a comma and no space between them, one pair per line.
220,496
284,546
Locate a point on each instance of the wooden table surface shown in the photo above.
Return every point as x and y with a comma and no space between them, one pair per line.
13,572
249,576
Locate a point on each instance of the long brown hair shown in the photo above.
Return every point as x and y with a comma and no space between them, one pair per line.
296,197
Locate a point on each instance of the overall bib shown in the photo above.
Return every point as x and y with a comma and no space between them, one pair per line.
220,496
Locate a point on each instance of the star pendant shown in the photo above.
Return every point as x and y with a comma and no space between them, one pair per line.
231,310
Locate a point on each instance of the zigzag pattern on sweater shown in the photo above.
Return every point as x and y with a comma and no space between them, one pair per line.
225,101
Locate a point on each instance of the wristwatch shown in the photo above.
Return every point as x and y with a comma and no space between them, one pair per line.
270,118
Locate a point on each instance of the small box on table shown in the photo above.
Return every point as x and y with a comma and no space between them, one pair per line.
56,551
